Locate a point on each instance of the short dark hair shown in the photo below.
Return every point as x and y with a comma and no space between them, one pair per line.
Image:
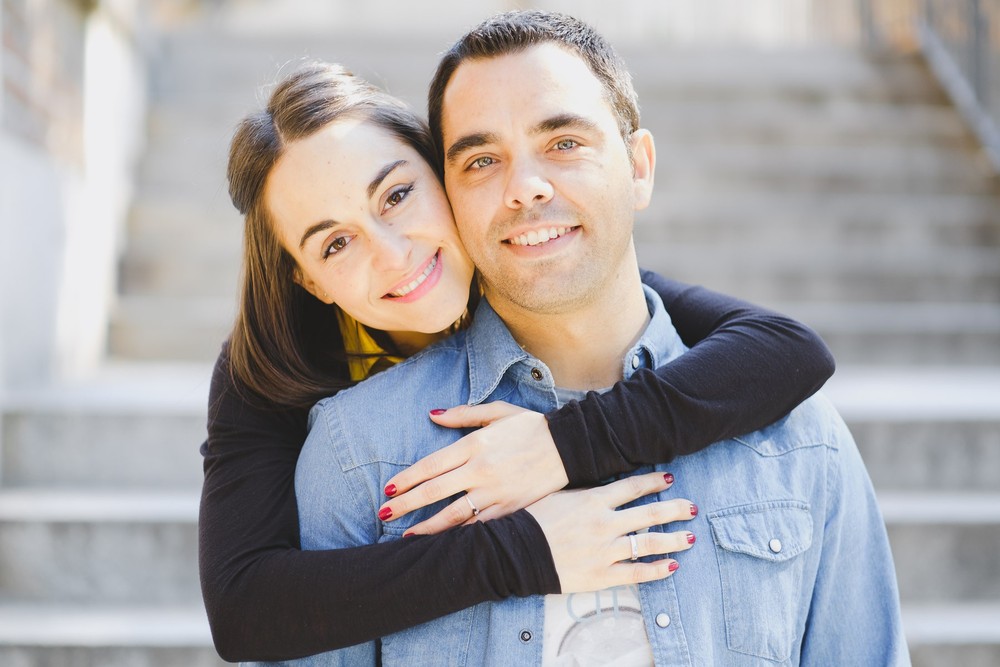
512,32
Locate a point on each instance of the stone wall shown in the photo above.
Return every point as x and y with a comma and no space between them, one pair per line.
71,126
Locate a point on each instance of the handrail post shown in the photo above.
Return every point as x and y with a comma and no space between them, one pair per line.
866,19
978,50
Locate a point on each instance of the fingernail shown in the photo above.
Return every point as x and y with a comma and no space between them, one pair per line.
673,566
390,489
691,538
438,411
694,510
385,513
408,534
668,478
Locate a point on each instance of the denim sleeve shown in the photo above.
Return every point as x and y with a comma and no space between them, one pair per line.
854,617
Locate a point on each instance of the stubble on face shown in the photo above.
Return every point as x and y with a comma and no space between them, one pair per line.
506,97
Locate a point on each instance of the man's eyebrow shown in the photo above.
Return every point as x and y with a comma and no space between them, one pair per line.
315,229
565,120
381,176
469,141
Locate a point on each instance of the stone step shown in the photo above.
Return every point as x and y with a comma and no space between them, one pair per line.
966,634
170,272
786,218
946,545
165,328
905,333
777,123
824,274
129,547
133,426
211,218
856,271
99,546
718,169
832,166
60,635
929,429
806,75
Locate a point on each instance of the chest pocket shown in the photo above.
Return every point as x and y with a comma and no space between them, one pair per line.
760,549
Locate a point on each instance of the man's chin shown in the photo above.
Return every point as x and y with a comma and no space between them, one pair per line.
544,293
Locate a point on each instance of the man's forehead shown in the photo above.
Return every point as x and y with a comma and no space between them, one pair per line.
532,84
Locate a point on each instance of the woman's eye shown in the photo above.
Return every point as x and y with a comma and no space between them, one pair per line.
397,196
336,246
482,162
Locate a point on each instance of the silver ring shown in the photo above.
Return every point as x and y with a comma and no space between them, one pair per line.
475,510
635,547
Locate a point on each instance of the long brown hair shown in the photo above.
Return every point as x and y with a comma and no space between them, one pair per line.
286,345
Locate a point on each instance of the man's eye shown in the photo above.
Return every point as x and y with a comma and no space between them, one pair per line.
336,246
482,162
566,144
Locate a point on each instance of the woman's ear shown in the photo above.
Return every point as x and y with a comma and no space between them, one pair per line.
643,167
308,285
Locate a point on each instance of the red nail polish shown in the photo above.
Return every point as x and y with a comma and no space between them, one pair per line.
668,478
673,566
385,513
438,411
694,510
390,489
408,534
691,538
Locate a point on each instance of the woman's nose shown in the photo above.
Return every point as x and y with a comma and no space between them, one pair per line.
391,249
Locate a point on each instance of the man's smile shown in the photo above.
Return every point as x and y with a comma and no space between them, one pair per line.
539,236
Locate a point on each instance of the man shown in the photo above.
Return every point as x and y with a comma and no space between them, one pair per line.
545,165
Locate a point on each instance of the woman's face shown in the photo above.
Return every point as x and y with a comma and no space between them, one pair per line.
370,228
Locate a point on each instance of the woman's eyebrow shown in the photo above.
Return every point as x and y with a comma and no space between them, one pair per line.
381,176
315,229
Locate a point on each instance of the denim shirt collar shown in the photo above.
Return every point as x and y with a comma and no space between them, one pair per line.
493,351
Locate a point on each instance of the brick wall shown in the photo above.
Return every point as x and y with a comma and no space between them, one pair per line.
72,121
43,44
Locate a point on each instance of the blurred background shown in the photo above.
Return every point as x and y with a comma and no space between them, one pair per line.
836,160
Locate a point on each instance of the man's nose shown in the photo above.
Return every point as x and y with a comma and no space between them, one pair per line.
527,184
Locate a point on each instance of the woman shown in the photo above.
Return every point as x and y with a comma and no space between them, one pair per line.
330,243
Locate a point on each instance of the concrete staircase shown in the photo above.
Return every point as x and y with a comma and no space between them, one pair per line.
837,187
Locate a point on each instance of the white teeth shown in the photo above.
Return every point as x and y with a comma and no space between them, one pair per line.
535,237
416,283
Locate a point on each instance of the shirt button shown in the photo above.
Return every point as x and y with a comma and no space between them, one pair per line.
775,545
537,374
662,620
635,361
525,636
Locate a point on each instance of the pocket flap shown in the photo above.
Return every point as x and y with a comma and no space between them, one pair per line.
774,531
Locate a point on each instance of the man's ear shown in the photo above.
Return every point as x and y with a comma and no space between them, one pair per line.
308,285
643,167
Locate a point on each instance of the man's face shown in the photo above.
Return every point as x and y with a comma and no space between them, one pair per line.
539,177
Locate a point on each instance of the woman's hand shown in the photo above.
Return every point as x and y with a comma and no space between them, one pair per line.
505,466
590,540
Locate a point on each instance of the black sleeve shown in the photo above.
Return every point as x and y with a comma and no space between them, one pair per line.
746,368
268,600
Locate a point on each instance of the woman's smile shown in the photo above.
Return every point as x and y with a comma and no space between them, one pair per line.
418,284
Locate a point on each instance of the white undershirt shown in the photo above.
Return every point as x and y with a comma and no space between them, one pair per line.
599,628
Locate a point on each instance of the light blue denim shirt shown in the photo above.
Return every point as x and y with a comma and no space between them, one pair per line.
792,565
